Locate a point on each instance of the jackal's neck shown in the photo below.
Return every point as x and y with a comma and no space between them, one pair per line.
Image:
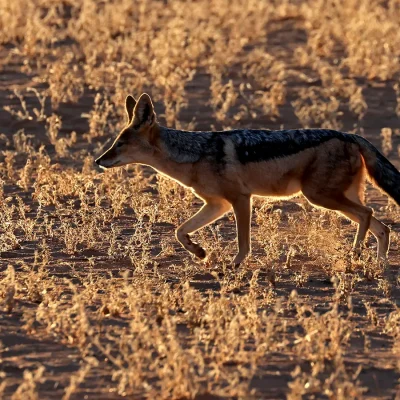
169,152
184,146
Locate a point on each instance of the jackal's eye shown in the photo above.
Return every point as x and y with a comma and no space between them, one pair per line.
119,144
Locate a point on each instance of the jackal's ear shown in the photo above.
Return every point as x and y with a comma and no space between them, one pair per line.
130,104
144,110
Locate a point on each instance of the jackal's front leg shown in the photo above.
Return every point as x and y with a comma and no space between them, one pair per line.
211,211
242,209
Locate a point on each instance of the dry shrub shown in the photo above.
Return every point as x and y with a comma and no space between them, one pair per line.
323,344
317,108
330,24
28,388
65,80
386,135
8,289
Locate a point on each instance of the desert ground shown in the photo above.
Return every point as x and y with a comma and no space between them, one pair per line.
97,298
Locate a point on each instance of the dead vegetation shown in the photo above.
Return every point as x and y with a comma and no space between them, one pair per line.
96,297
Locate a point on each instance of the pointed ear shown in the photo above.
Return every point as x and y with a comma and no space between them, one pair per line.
130,104
144,110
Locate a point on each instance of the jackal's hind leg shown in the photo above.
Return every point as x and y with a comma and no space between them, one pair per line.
354,211
211,211
381,232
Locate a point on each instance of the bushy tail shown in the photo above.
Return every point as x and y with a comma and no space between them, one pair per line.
381,171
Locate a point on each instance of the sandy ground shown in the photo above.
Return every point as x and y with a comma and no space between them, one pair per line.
21,350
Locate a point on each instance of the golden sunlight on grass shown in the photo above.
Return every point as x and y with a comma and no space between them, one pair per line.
97,298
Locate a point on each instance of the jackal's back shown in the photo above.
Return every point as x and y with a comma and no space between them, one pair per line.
250,145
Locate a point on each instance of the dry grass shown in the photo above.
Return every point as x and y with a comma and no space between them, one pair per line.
96,297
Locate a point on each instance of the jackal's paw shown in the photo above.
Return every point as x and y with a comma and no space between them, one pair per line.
194,248
238,260
356,253
198,251
383,262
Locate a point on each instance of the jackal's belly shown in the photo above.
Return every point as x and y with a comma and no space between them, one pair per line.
276,178
283,188
259,184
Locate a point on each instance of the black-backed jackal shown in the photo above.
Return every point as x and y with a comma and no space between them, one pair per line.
226,168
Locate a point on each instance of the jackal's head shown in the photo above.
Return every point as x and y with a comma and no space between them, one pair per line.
135,140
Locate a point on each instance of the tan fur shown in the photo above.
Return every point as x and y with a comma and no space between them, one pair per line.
304,172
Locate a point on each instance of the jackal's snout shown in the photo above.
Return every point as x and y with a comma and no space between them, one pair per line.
108,159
